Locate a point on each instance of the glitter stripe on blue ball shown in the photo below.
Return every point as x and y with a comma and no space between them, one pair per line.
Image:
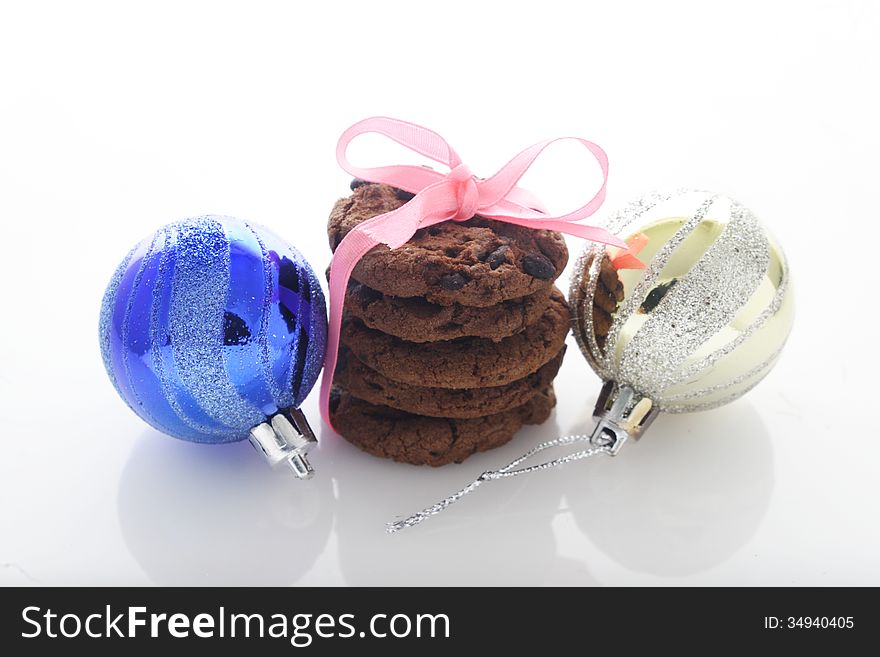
210,325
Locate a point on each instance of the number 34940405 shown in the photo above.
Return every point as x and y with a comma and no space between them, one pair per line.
808,622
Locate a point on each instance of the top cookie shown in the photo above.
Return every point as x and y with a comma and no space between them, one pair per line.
478,262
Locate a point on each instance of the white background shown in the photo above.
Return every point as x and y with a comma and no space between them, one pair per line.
116,118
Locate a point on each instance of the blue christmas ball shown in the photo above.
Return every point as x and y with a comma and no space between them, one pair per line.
210,325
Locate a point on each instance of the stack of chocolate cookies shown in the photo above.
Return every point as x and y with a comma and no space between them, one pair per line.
450,343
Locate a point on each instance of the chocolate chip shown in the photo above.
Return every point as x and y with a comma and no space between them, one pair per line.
498,257
538,266
357,182
403,195
452,282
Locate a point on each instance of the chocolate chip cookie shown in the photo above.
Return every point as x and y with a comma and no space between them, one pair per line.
418,320
465,362
478,262
609,293
419,440
364,383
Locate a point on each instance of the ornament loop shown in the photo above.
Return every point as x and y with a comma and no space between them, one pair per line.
622,414
511,470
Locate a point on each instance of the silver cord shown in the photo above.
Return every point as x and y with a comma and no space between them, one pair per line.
600,445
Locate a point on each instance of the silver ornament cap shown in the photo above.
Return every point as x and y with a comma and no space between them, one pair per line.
286,437
621,413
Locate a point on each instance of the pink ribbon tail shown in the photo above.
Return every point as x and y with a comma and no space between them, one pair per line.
348,252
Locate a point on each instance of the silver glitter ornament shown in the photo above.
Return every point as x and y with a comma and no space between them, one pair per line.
698,326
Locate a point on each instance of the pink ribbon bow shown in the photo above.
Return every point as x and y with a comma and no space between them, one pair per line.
453,196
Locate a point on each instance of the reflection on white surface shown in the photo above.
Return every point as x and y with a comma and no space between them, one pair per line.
194,514
205,514
684,498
